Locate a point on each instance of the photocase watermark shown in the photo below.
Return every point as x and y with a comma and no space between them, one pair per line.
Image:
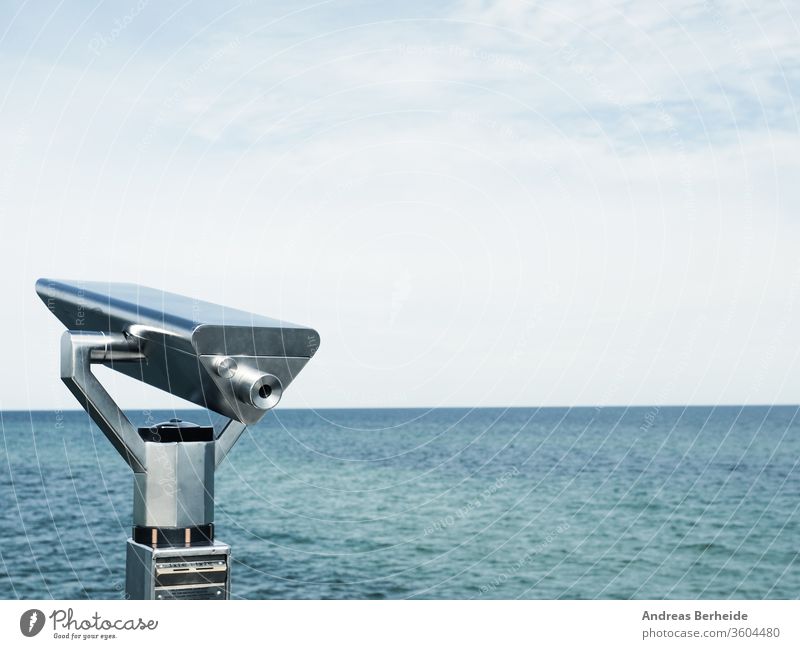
11,157
101,41
505,61
651,415
462,513
31,622
766,359
476,119
526,560
615,383
724,27
149,418
183,88
525,337
401,291
570,55
67,626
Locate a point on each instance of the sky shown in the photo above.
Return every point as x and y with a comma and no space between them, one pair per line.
475,203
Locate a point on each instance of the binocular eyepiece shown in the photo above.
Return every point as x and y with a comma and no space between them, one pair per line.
258,389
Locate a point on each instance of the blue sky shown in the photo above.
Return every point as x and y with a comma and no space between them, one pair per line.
476,203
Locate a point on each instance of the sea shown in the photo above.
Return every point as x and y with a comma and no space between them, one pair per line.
538,503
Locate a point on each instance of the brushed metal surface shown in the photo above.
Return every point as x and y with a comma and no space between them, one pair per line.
174,331
178,488
144,563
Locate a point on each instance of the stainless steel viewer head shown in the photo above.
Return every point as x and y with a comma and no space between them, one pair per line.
232,362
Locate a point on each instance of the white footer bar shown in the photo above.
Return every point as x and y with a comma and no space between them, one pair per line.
378,625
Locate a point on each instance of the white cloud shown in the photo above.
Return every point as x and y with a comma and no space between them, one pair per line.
492,203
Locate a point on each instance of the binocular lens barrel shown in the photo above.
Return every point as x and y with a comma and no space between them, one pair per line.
258,389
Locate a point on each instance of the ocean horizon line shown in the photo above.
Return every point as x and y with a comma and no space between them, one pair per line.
362,408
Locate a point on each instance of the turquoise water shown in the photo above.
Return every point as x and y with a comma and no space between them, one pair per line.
446,503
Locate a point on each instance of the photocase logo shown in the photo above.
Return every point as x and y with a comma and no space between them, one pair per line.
31,622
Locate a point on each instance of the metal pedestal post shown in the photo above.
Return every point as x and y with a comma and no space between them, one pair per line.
172,553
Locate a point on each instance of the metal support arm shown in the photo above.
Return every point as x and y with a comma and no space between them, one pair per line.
230,431
79,349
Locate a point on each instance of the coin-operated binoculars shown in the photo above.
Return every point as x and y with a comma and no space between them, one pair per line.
233,363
